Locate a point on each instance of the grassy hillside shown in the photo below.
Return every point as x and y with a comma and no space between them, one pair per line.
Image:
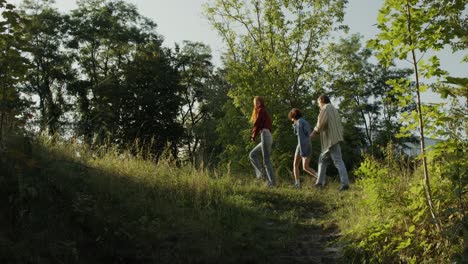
61,203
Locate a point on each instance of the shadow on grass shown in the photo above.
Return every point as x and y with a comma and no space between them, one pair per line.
55,210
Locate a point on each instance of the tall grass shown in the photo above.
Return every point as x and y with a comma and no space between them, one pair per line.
106,206
62,202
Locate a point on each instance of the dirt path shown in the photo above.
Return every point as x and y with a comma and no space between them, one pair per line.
314,246
315,243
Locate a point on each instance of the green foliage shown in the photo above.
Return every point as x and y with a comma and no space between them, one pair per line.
13,68
450,123
100,73
273,50
105,37
390,219
51,68
200,89
211,146
367,101
407,29
392,224
145,104
128,90
232,131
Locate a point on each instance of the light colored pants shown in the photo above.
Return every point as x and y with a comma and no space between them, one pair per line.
263,149
334,154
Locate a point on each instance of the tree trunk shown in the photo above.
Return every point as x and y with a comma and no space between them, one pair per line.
421,125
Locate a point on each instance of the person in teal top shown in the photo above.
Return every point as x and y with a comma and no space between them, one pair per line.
303,152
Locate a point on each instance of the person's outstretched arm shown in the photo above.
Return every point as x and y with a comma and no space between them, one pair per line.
322,122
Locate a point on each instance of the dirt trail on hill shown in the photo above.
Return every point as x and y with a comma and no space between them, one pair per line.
315,244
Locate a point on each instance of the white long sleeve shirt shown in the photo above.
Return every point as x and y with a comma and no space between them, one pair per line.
329,126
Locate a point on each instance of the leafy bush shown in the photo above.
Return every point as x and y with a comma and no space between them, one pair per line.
391,222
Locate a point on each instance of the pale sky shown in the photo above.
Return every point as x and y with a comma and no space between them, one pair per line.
179,20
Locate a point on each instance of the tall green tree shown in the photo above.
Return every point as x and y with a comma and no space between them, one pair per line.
13,68
273,50
211,146
129,92
350,73
409,29
104,35
51,66
147,103
193,62
365,99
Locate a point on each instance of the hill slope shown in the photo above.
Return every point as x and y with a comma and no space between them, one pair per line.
61,203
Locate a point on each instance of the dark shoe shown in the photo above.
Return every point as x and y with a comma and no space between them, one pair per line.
318,186
343,188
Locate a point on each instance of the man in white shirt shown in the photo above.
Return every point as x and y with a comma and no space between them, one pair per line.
331,133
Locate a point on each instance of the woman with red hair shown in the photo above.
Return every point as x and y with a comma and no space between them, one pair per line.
262,125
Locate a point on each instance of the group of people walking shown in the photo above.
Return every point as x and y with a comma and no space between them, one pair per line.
328,127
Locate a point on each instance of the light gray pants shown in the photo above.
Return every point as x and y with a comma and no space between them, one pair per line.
334,154
263,149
